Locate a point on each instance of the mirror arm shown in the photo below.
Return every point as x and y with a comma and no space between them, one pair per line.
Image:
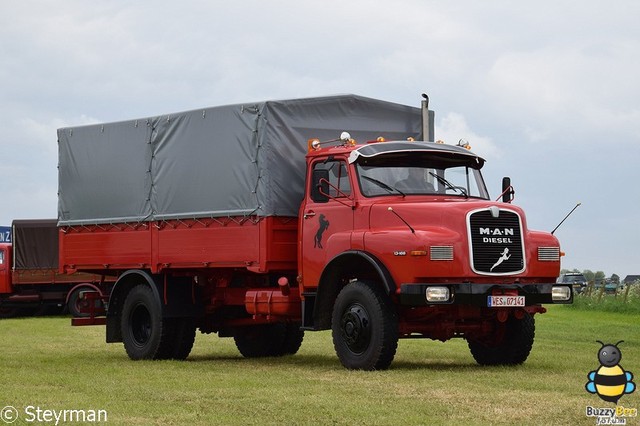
325,181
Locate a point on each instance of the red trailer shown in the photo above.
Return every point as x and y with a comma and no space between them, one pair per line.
30,280
234,220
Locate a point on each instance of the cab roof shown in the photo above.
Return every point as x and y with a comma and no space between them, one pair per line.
376,149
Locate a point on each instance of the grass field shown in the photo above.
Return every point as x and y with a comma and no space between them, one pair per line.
47,363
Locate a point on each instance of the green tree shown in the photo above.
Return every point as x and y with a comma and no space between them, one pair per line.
589,275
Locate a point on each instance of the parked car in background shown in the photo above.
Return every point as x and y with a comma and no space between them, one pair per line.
576,279
610,287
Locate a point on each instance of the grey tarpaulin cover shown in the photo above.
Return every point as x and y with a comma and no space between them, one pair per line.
234,160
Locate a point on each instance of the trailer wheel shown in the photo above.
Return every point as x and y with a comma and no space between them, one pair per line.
364,328
512,349
144,333
75,305
261,340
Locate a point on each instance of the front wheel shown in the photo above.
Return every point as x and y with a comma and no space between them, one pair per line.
512,347
364,328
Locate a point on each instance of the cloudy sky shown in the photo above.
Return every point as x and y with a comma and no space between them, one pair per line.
546,91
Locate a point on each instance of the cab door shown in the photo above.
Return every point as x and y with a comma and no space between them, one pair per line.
5,269
327,217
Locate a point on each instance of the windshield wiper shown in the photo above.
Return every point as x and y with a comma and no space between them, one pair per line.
383,185
449,185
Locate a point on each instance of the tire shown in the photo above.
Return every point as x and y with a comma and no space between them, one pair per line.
364,328
184,335
180,335
513,349
292,339
144,333
261,340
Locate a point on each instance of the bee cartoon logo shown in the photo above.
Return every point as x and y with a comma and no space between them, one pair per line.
610,381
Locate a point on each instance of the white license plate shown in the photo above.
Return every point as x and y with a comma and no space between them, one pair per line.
505,301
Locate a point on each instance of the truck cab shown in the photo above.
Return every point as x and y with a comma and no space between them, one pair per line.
408,228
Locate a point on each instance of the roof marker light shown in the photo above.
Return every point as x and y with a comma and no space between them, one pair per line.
464,144
313,145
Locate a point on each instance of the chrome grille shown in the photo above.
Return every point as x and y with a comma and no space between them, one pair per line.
496,243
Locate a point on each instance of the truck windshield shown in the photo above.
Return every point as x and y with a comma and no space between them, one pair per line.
408,175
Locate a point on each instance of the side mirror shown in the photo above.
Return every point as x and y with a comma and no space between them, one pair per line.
507,190
320,186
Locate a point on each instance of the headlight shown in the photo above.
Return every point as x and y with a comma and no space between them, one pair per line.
437,294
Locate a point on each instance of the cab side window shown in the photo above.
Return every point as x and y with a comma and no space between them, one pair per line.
330,180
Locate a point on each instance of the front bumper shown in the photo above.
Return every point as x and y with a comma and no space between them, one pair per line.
414,294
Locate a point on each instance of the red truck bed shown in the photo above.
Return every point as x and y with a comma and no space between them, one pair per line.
258,244
50,276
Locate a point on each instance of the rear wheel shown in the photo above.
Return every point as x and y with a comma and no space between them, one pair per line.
144,333
512,347
364,328
184,334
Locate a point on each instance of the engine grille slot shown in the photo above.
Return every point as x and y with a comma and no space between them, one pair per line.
441,252
496,245
549,254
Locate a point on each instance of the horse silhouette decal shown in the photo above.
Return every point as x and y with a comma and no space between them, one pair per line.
324,224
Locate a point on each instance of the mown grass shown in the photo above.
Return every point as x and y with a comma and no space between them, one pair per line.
47,363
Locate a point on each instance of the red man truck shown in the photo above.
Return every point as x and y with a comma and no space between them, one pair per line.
30,280
261,221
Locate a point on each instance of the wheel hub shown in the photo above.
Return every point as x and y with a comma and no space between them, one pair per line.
141,325
355,328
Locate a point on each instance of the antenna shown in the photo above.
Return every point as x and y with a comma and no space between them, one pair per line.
400,217
565,218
